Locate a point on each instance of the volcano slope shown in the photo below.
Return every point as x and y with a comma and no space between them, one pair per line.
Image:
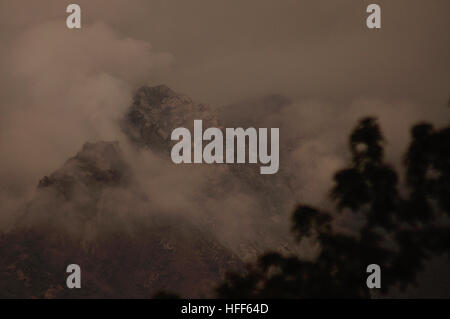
89,212
157,111
96,211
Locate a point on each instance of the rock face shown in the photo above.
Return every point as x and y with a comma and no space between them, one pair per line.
157,111
119,265
76,217
93,213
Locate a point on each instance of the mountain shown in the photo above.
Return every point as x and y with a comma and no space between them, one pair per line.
94,212
157,111
86,213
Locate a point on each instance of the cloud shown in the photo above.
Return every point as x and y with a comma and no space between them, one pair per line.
61,88
65,88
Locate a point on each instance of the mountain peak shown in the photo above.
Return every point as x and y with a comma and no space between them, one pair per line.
96,164
157,111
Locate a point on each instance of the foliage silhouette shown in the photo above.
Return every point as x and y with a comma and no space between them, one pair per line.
401,230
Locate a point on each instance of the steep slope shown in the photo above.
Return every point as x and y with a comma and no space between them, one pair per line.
157,111
91,213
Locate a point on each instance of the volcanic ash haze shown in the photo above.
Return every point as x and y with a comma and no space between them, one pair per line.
61,89
100,211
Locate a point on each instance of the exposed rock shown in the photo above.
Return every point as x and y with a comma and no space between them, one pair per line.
121,254
157,111
91,212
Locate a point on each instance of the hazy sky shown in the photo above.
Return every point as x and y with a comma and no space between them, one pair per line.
223,50
61,88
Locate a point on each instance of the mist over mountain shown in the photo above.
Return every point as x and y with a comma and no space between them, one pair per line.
91,213
94,211
85,170
138,224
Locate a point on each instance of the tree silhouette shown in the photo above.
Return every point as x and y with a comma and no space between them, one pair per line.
401,230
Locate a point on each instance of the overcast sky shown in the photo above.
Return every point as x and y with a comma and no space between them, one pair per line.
60,88
223,50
